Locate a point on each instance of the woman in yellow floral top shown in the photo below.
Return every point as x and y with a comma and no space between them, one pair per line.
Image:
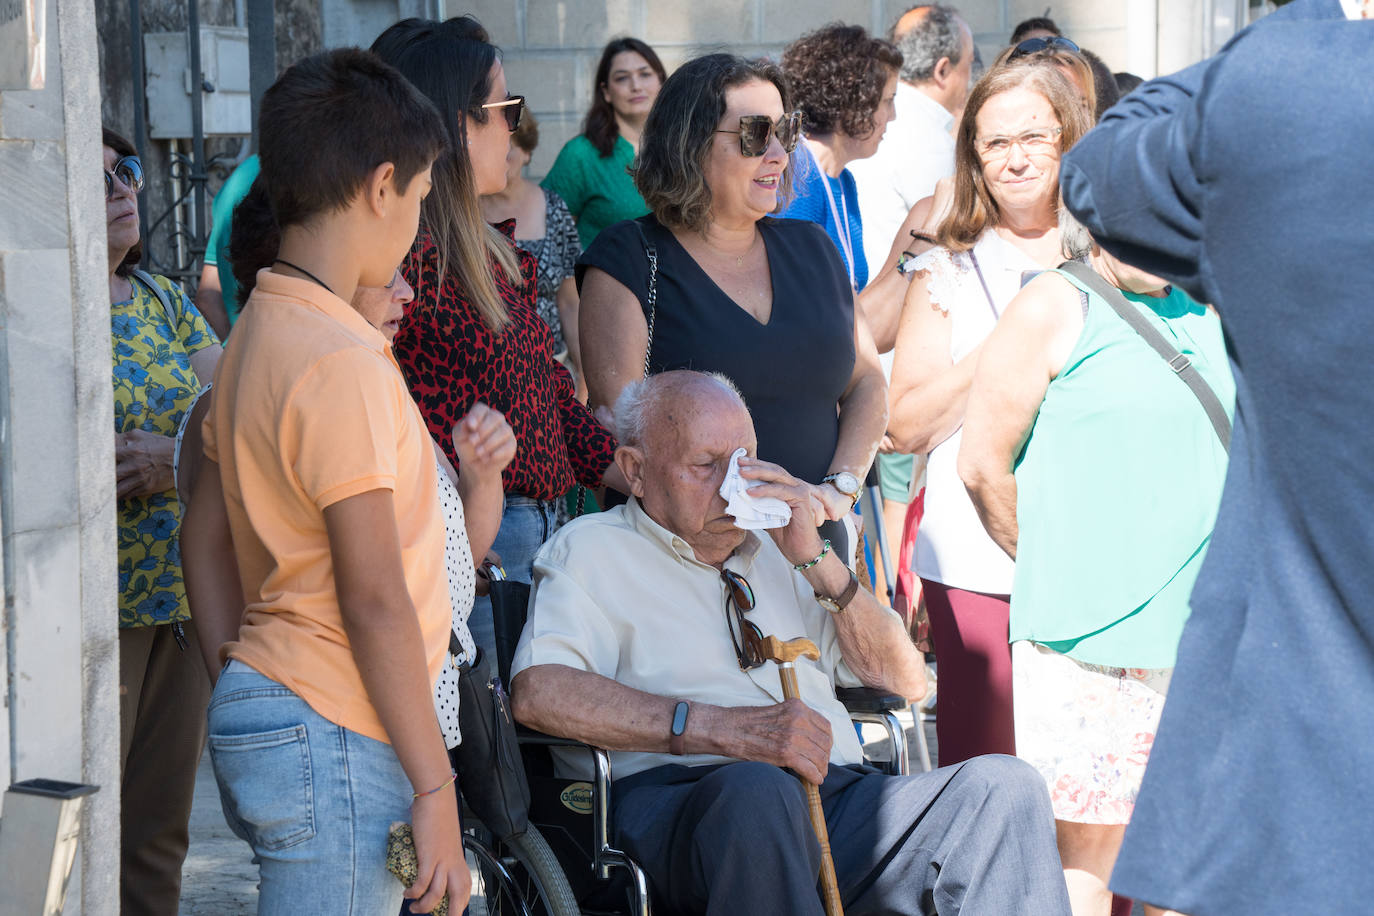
164,351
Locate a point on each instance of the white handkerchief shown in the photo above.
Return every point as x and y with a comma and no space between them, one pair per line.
751,512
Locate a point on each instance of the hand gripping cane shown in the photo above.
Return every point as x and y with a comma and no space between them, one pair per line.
786,655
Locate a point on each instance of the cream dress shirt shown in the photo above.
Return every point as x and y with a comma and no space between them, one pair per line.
617,594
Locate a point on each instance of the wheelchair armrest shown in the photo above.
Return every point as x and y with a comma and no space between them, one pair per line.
526,735
869,699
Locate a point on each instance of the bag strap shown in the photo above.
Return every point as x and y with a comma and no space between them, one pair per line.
986,292
157,290
1183,367
652,253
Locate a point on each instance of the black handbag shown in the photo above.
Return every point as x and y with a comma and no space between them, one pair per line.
491,774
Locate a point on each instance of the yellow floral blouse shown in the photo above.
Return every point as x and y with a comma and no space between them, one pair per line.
153,386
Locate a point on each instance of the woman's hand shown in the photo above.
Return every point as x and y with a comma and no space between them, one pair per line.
834,503
143,463
484,442
439,853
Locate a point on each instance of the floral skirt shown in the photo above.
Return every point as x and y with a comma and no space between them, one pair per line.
1087,729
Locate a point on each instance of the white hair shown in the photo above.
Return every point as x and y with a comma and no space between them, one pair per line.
639,399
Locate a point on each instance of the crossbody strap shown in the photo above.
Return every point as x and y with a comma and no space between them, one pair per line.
156,289
652,253
1183,367
983,281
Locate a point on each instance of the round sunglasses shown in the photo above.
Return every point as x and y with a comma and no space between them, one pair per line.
756,131
129,171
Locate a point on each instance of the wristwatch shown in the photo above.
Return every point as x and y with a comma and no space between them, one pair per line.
677,740
839,603
846,483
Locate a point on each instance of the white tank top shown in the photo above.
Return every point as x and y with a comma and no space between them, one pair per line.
952,547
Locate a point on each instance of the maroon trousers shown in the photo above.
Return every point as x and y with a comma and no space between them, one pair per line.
969,631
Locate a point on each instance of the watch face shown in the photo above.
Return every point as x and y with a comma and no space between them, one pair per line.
829,604
846,483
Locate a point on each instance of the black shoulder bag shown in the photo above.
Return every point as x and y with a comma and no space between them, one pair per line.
1183,367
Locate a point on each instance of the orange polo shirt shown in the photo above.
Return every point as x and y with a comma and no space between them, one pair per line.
309,409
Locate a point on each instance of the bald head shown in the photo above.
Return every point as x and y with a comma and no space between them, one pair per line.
648,407
909,20
677,433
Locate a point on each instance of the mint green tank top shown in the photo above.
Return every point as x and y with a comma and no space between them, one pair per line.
1117,488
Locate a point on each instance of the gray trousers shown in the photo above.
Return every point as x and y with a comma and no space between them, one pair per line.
975,838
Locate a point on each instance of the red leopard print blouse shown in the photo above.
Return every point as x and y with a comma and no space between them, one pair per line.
451,360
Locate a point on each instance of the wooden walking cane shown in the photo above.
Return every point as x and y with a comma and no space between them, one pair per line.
786,655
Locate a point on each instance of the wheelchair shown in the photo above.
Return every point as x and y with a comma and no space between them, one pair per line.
583,874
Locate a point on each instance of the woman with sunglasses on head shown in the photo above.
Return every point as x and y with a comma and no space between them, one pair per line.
473,332
591,172
1003,226
164,351
765,301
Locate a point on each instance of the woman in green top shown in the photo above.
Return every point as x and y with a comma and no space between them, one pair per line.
1099,471
591,172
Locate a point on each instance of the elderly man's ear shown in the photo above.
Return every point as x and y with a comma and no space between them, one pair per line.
630,460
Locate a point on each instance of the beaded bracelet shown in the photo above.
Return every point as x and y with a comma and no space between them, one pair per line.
803,567
444,785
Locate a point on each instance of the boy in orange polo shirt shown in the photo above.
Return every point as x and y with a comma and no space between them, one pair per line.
334,624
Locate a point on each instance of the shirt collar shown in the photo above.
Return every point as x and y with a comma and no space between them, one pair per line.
912,101
676,546
312,295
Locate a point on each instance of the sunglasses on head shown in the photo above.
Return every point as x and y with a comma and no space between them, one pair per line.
513,107
744,635
756,131
1036,45
129,171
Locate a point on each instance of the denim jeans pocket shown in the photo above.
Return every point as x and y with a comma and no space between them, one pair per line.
266,783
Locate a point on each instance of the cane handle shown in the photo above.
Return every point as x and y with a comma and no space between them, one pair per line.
790,650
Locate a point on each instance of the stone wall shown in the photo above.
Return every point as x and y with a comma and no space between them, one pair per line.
552,46
61,716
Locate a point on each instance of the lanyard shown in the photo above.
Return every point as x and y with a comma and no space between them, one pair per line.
846,241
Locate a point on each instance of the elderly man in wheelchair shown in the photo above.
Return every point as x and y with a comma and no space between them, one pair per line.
644,639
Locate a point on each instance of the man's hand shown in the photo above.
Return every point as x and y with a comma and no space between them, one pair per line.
143,463
484,442
799,541
787,734
439,854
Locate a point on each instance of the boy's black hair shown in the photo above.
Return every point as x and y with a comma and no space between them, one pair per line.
331,119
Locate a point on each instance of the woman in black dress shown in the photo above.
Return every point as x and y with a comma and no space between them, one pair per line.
765,301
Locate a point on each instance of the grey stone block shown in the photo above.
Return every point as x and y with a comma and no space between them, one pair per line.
47,641
705,22
551,82
796,17
580,23
33,204
1073,16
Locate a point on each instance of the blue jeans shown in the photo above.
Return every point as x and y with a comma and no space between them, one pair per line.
525,525
314,800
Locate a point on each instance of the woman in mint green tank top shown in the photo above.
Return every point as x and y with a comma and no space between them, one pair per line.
1094,465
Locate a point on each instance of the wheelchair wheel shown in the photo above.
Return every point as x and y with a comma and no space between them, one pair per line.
519,877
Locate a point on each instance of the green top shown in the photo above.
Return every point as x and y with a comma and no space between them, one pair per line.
1117,489
234,189
598,191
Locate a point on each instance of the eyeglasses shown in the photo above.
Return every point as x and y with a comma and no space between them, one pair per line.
739,600
1037,141
1036,45
513,108
756,131
129,171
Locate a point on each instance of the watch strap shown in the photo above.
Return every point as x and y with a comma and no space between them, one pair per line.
841,601
677,732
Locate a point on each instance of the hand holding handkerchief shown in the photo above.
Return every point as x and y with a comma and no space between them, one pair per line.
751,512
